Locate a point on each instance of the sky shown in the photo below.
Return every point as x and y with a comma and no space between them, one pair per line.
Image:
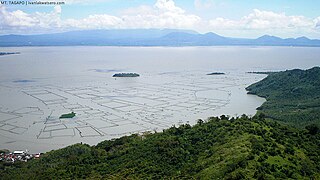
232,18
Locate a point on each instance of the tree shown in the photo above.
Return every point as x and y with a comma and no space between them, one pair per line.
200,121
313,129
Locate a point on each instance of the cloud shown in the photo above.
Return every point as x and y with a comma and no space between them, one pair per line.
317,22
19,21
267,22
263,20
15,19
168,6
163,14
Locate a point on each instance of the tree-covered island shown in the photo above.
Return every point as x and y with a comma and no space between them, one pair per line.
216,73
126,75
67,116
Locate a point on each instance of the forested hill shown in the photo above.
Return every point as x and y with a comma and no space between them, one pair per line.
293,96
241,148
217,148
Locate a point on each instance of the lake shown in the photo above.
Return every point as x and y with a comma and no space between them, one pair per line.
40,84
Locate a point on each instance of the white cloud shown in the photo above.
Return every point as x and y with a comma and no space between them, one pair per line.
317,22
263,20
168,6
15,19
19,21
163,14
267,22
49,20
267,19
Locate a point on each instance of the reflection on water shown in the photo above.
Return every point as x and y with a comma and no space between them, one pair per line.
42,83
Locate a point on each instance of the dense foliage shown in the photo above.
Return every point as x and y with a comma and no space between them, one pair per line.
292,96
219,148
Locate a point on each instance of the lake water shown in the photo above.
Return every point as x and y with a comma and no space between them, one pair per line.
42,83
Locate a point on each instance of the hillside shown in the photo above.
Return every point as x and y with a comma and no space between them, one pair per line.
218,148
293,96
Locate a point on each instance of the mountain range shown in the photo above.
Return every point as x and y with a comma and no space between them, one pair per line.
147,37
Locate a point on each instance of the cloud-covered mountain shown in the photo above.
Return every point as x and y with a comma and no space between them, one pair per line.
147,37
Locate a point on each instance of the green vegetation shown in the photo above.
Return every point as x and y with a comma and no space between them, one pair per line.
292,96
66,116
216,73
219,148
126,75
4,151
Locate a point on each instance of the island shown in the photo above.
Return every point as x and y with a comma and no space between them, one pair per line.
8,53
67,116
216,73
126,75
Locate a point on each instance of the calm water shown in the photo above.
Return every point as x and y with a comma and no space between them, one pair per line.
41,83
71,61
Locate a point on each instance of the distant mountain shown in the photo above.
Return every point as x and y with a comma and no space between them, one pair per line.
147,37
276,41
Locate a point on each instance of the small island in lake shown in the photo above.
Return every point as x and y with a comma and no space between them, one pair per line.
216,73
67,116
126,75
8,53
23,81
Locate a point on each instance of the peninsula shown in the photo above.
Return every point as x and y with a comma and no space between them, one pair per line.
261,72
